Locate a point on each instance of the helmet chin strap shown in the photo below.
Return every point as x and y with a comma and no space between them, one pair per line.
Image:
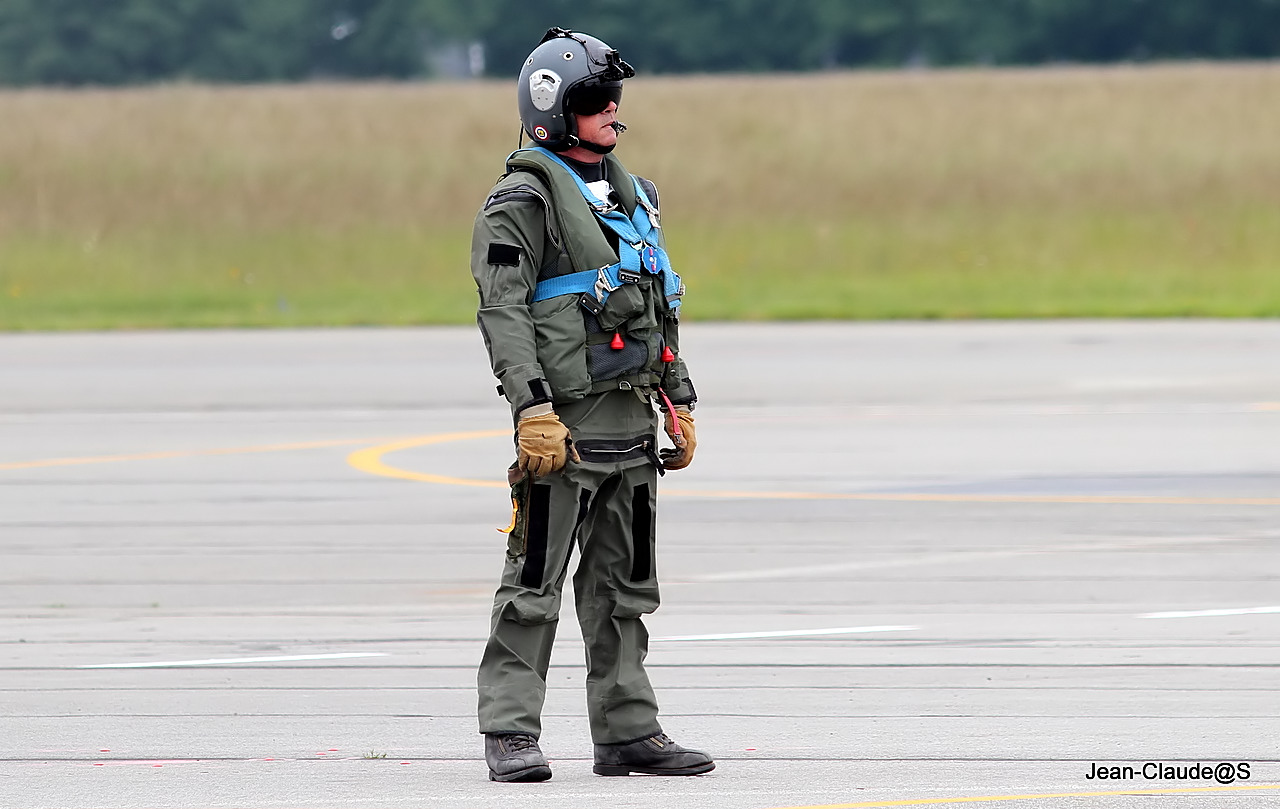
618,127
571,139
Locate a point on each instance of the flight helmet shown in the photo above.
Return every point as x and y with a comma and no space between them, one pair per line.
567,73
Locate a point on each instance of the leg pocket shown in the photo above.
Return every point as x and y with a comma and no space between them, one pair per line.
518,531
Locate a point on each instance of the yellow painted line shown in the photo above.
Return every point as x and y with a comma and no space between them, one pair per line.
371,460
1037,797
159,456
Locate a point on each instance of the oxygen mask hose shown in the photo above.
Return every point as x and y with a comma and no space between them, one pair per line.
670,410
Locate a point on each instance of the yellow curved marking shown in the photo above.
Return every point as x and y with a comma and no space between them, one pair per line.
370,460
158,456
1036,797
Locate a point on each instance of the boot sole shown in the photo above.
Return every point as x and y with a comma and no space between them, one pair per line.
539,773
627,769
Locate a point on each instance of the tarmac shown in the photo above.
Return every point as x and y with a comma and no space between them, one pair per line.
979,564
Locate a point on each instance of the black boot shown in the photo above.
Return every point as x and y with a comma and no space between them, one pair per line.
653,755
515,757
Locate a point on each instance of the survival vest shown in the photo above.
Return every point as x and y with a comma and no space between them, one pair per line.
639,247
625,298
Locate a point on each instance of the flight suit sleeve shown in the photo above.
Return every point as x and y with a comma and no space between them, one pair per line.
675,379
507,248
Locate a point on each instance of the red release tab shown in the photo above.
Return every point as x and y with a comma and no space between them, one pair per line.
616,344
667,356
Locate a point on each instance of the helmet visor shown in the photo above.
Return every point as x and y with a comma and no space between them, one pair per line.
593,99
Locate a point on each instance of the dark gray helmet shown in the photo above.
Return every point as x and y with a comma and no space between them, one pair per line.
567,72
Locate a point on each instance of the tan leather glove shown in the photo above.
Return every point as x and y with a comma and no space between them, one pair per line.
685,441
543,444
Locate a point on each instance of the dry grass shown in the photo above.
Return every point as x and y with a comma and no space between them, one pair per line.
967,193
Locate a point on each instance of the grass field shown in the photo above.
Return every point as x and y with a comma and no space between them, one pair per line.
1150,191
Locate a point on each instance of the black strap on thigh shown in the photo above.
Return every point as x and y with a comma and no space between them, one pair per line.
535,558
641,533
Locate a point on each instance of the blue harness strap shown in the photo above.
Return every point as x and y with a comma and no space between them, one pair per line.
574,282
638,248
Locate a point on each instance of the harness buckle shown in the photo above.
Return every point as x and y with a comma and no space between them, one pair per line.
589,302
624,385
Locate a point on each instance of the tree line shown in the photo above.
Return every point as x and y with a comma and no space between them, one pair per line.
108,42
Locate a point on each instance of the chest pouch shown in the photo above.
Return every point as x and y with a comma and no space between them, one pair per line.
630,307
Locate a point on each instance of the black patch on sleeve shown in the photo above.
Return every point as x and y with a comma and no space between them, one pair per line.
506,255
538,389
689,400
538,394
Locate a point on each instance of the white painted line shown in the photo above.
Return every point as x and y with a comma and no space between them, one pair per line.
233,660
793,633
1213,613
915,560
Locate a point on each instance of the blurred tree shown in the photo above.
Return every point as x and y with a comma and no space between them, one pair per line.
121,41
74,42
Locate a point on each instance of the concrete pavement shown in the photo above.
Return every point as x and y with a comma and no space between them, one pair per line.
912,562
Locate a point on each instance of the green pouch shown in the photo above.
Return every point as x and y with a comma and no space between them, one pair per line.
561,339
518,531
626,303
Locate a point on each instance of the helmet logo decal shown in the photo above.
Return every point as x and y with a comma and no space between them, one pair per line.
540,132
544,89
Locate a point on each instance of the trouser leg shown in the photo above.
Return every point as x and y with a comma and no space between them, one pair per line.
616,583
513,671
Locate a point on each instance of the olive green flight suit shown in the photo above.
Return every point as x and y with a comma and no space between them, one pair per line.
535,225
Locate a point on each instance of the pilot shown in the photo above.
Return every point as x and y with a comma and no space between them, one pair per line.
579,310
